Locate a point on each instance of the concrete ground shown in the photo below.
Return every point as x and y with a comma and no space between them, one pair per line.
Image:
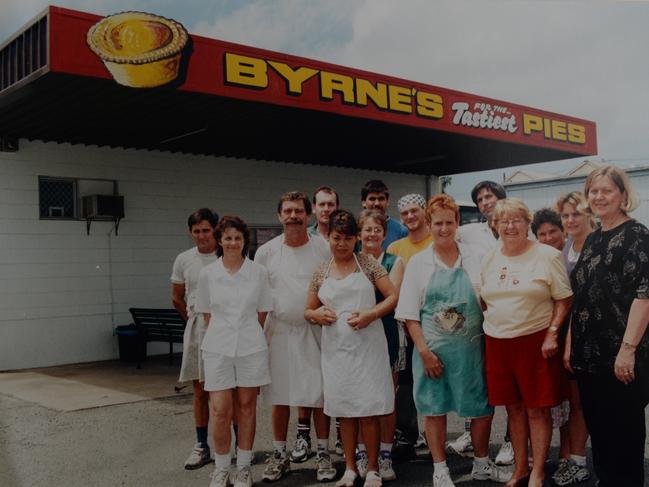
144,437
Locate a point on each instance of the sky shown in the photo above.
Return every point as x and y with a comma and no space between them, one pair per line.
584,58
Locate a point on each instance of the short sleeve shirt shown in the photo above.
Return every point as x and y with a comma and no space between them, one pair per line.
185,271
406,248
520,290
417,276
234,301
612,271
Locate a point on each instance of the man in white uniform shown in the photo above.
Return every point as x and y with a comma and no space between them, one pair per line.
294,343
480,238
184,282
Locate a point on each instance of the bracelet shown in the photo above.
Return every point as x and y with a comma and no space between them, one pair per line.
553,328
626,344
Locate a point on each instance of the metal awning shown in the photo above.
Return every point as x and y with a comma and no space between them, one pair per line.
60,91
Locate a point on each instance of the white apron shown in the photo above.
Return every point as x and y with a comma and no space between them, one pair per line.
355,364
293,343
191,367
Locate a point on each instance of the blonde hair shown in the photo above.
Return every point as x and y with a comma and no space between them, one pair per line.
373,214
511,205
620,179
576,199
442,202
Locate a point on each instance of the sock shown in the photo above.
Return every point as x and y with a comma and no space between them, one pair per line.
304,427
385,447
467,425
323,444
244,458
280,446
361,447
222,461
440,467
201,436
481,461
579,460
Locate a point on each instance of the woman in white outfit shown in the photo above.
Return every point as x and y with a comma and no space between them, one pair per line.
355,362
234,295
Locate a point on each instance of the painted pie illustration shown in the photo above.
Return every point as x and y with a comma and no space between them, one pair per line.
139,49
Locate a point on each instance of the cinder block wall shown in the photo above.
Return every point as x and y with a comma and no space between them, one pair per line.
62,292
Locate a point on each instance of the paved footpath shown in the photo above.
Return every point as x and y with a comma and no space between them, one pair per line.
145,443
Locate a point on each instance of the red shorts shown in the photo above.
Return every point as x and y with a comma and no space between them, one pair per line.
517,371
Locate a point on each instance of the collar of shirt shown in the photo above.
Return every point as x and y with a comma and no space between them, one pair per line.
244,271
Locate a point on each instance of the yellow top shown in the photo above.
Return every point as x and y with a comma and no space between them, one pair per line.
406,248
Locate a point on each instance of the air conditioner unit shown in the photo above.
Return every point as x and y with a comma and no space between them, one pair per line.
103,207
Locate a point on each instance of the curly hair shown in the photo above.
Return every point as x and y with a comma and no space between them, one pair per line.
239,225
343,221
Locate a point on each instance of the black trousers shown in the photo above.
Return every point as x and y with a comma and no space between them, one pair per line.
615,416
404,401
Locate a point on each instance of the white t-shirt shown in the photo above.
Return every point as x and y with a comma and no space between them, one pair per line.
233,301
187,266
417,276
520,291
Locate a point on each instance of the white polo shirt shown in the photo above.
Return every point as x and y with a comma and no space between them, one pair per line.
234,301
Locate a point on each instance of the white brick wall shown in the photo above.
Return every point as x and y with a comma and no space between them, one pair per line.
62,292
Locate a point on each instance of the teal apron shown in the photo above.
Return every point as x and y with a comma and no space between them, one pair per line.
451,321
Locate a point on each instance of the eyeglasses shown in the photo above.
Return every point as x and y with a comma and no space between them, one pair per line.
515,222
372,230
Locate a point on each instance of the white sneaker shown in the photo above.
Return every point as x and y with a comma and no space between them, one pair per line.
421,442
198,457
385,466
243,478
220,478
302,450
461,445
442,479
505,454
325,472
339,447
278,465
490,471
361,463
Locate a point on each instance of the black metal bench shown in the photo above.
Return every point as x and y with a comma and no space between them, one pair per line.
158,325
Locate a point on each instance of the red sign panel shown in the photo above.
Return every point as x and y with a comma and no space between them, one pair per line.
230,70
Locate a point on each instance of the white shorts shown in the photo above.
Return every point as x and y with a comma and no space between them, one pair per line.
223,372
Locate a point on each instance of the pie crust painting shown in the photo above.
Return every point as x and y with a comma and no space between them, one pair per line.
139,49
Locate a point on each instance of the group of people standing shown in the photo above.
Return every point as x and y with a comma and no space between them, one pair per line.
328,317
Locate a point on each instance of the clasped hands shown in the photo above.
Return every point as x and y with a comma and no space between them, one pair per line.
358,319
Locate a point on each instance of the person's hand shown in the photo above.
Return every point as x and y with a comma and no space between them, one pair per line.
624,367
433,366
550,345
566,358
359,319
324,316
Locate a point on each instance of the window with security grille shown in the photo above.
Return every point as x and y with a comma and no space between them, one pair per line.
57,198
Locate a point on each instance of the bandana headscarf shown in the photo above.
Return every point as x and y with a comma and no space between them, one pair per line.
410,199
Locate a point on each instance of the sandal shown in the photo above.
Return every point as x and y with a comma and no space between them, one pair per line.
373,479
348,479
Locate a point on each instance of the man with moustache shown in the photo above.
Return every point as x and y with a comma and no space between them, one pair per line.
325,202
293,343
375,195
184,282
